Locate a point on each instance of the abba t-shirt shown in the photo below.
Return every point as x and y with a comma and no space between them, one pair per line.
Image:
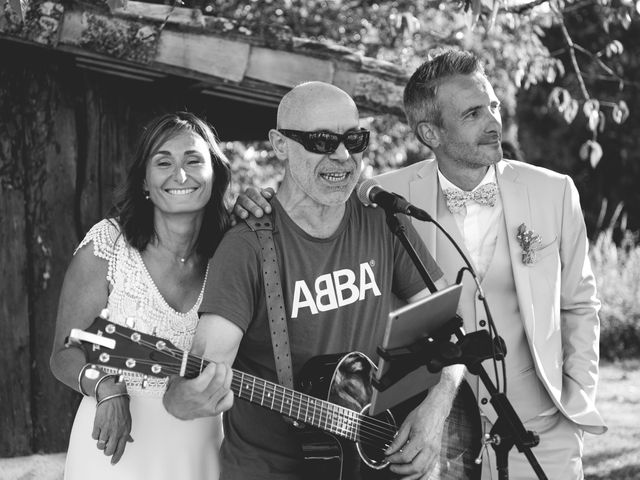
338,292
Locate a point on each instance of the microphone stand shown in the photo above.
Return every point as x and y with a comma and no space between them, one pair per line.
471,349
400,231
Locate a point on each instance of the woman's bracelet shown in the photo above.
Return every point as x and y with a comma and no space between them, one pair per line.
109,397
91,372
102,379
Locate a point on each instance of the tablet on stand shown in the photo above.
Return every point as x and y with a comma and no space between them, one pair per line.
405,326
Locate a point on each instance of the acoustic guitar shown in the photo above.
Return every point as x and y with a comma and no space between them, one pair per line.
339,439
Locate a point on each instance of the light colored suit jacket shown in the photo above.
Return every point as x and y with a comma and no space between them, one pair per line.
556,294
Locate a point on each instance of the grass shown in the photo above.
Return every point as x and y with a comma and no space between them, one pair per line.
616,454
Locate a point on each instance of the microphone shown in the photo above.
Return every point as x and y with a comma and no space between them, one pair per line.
370,192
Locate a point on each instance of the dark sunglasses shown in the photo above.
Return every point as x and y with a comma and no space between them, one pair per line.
328,142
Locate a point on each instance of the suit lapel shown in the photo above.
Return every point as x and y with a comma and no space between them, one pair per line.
423,193
516,207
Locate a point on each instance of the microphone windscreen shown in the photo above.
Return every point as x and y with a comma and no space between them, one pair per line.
364,189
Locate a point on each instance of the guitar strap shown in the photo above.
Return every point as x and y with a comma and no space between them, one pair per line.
263,228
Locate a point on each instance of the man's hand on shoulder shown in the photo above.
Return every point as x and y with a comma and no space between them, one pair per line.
206,395
253,201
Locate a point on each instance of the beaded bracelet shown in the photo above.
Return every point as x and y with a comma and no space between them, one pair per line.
109,397
101,379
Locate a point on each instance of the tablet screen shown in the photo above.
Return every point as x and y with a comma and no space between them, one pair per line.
404,326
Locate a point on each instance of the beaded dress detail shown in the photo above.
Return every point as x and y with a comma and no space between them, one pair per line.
135,301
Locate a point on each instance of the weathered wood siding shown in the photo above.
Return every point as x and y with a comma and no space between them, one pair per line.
65,140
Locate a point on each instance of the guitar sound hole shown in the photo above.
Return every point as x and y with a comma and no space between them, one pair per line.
375,435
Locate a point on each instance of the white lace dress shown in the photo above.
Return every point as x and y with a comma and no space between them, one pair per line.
164,448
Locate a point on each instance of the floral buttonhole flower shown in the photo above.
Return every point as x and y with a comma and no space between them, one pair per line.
529,242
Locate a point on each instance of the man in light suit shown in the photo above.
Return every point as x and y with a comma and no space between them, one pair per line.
523,230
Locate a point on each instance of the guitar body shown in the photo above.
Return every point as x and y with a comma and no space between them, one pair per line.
346,380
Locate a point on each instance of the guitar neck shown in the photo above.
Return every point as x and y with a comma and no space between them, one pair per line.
298,406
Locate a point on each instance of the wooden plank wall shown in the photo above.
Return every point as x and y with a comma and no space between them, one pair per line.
15,378
65,140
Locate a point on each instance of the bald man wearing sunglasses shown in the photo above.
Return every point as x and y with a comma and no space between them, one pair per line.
340,267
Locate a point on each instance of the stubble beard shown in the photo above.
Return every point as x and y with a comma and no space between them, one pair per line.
465,158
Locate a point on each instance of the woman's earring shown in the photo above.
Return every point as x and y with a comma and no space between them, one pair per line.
146,194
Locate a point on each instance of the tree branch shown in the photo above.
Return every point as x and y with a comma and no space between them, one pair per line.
597,59
612,76
524,7
577,5
574,60
607,78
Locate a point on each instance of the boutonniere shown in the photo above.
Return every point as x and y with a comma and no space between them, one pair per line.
529,242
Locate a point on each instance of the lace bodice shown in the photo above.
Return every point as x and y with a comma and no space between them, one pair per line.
135,301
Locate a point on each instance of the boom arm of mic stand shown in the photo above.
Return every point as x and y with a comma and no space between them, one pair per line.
399,231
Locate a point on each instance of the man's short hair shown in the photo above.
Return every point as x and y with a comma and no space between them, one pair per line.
420,92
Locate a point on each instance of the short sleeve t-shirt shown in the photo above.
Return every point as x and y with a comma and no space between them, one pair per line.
338,292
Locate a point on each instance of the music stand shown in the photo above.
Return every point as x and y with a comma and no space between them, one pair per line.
408,331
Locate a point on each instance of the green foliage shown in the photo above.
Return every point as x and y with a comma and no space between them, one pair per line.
617,271
130,41
549,140
405,32
253,165
40,23
565,71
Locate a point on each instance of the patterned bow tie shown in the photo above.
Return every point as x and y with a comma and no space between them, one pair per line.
484,195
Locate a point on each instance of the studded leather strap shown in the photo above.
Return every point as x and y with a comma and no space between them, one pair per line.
263,228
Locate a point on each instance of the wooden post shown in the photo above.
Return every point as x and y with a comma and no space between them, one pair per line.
15,342
15,381
53,240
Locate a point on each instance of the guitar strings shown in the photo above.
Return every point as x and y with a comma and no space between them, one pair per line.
326,407
365,436
326,414
371,428
326,418
328,411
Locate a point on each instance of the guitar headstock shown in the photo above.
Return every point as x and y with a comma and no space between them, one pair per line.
109,344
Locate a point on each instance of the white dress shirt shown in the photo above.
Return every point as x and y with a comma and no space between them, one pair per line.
478,224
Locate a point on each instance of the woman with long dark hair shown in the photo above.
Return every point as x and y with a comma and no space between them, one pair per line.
146,264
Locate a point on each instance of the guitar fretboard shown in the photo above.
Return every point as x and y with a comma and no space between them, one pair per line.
298,406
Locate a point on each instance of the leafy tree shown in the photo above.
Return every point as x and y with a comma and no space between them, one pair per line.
571,139
564,68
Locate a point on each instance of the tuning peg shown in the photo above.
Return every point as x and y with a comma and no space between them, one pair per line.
104,314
